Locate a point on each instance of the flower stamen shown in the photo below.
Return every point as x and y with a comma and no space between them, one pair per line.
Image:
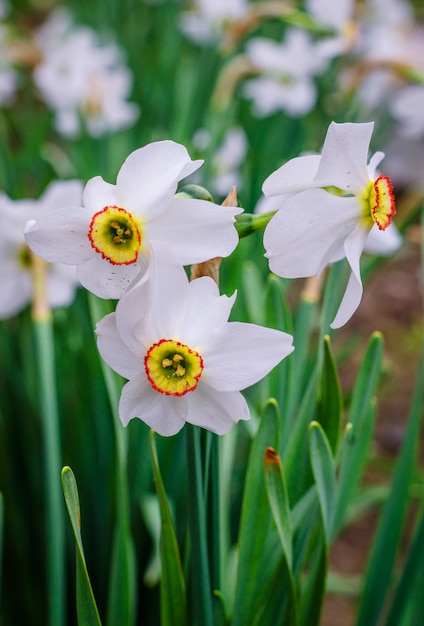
173,368
116,235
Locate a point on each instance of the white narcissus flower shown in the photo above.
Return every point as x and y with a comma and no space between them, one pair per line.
82,78
337,200
111,236
183,360
407,107
15,262
287,70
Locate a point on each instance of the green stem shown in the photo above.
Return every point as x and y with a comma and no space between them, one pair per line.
215,517
52,468
200,574
249,223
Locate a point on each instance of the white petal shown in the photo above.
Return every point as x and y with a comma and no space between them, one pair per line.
61,236
374,163
107,280
295,175
98,194
383,242
205,310
150,175
244,354
354,245
345,156
61,284
216,411
114,352
195,230
165,414
303,236
61,193
155,307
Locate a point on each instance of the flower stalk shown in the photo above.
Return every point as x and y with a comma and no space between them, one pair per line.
44,344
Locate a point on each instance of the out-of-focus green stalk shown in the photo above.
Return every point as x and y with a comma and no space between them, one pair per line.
200,580
121,605
1,535
55,543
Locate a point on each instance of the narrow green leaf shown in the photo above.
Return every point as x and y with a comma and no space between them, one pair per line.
295,453
330,398
280,507
361,418
121,604
87,612
277,494
258,544
323,468
1,536
409,588
387,538
253,292
173,599
200,574
314,586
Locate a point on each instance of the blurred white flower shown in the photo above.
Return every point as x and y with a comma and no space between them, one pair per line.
227,161
79,77
207,18
407,107
389,35
15,261
287,70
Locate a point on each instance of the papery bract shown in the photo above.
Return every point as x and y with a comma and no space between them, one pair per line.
331,218
185,362
110,238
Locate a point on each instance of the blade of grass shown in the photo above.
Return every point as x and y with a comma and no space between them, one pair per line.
87,612
361,417
330,398
387,539
258,546
280,507
173,599
200,577
323,468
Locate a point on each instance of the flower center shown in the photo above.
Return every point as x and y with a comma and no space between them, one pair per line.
172,367
116,235
378,202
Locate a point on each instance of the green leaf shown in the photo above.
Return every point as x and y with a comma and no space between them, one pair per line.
1,535
121,606
409,590
387,538
314,586
280,507
296,455
253,292
87,612
330,398
258,544
323,468
354,447
173,599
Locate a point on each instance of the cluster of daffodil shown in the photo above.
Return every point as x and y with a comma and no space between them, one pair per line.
171,338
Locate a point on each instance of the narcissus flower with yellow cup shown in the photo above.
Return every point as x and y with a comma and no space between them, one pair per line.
183,360
337,197
110,237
